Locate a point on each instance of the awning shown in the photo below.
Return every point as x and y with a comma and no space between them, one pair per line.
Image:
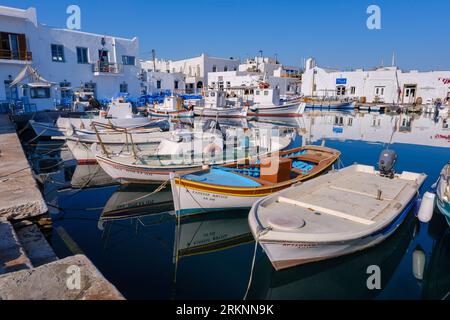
30,77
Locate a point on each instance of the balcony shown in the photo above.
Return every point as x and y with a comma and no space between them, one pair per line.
10,56
107,68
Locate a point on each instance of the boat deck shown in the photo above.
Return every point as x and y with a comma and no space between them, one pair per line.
338,206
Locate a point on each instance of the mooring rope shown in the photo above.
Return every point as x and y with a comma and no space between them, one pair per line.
260,233
160,187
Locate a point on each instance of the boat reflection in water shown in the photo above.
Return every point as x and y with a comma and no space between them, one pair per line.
138,200
435,278
203,246
340,278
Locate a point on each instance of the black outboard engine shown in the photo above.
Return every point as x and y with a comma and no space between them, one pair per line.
386,163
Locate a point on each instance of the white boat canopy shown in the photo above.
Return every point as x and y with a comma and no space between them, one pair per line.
31,77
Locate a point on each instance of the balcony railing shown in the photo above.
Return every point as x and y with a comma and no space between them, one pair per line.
15,55
107,67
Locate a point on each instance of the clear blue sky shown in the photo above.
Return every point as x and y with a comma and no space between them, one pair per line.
334,32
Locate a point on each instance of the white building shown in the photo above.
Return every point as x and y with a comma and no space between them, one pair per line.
385,84
195,70
255,71
160,80
67,58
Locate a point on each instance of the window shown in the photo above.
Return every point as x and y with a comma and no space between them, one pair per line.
340,90
58,53
158,84
175,84
352,90
225,68
40,93
257,92
214,69
123,87
266,93
128,60
82,55
379,91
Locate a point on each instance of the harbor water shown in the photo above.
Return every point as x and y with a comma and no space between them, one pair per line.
132,235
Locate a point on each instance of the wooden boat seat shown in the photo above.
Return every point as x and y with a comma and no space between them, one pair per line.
311,157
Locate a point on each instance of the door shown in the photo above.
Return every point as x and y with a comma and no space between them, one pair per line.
409,94
103,60
14,44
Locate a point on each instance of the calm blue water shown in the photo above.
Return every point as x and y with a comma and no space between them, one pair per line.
130,234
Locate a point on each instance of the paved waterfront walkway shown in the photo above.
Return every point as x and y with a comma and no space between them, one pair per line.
20,197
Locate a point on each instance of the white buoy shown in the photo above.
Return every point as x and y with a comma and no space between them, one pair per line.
418,260
427,207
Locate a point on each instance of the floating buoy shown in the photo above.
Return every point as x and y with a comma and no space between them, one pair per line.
418,260
427,207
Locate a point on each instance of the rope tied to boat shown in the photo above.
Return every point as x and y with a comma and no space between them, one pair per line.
160,188
260,233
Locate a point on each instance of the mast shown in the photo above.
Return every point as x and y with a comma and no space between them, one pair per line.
154,59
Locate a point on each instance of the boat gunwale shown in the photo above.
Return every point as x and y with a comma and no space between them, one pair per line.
260,190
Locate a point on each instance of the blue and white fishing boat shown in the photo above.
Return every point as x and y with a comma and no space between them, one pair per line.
238,186
443,192
333,215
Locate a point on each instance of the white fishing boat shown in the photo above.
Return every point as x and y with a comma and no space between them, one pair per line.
144,140
215,105
172,107
157,168
333,215
267,103
118,113
238,186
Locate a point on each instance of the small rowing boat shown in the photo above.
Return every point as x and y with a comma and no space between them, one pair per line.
238,186
333,215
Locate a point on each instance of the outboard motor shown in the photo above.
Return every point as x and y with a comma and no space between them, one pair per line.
386,163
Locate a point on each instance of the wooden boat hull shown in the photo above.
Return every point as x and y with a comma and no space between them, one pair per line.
331,216
46,129
138,174
191,197
170,114
287,110
83,153
237,112
286,255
